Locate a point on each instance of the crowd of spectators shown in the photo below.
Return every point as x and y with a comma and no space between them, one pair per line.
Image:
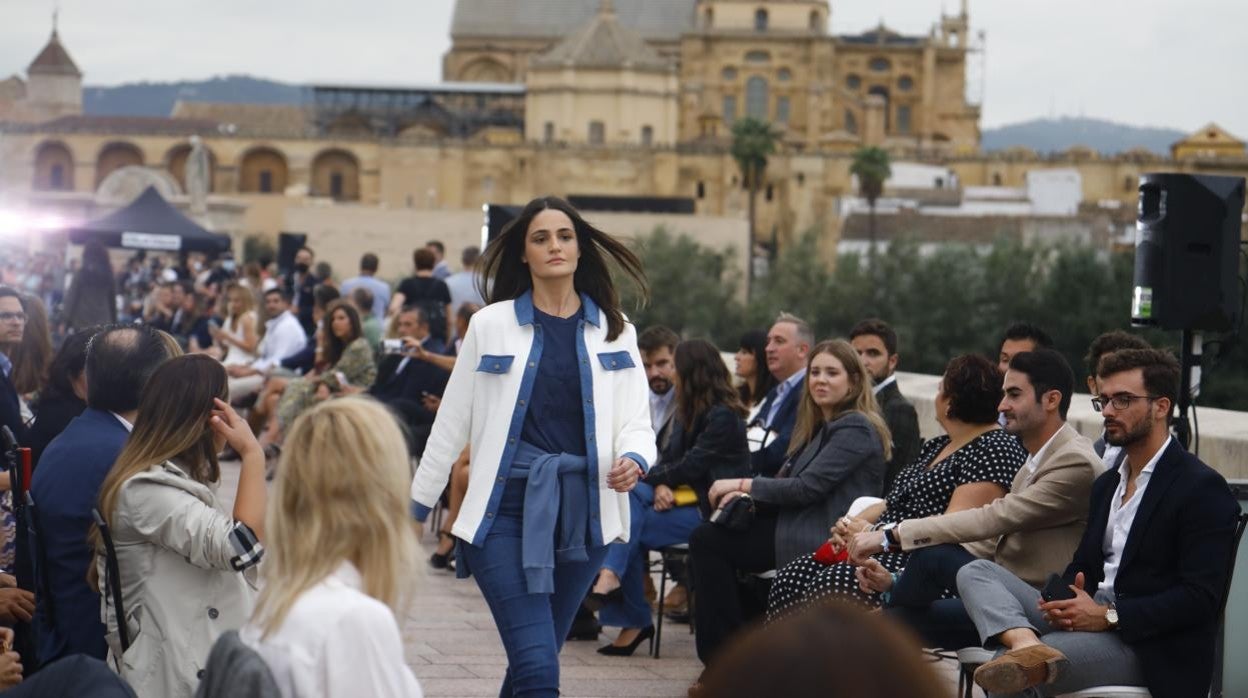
798,480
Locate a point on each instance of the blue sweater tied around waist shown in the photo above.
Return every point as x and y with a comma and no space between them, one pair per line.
544,506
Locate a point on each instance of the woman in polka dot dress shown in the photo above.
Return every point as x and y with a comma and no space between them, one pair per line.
971,465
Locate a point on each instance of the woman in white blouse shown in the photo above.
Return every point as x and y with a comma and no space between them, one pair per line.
186,565
341,557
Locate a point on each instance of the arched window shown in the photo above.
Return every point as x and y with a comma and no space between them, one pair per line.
730,109
263,171
54,168
851,123
597,132
647,135
548,132
756,98
760,20
903,119
1128,184
782,110
115,156
701,190
996,179
336,174
814,20
882,91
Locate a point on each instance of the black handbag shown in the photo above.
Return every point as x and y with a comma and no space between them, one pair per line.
736,515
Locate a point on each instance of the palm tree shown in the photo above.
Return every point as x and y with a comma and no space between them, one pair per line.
871,168
752,141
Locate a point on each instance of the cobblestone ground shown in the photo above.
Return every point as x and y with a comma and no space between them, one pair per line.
453,648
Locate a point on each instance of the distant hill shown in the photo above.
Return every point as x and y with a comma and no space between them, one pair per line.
1056,135
157,98
1041,135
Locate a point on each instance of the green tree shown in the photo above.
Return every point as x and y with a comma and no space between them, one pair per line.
693,289
871,167
752,141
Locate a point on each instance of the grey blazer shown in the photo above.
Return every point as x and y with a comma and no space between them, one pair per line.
843,462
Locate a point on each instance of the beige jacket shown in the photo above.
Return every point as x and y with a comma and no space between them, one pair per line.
179,588
1032,531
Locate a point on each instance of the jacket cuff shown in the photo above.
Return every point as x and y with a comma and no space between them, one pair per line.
420,512
641,462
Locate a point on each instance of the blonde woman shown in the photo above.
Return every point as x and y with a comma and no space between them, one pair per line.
187,566
341,557
237,338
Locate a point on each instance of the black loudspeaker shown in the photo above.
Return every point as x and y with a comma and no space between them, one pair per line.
496,217
1187,252
287,245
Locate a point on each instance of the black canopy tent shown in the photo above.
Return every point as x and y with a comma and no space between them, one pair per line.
150,223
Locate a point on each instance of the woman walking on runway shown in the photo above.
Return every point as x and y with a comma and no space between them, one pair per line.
550,393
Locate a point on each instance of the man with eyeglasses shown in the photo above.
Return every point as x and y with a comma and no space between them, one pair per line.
1148,578
12,326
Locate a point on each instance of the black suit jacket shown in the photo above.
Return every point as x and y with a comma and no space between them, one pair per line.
714,449
404,390
903,424
11,410
766,461
1173,572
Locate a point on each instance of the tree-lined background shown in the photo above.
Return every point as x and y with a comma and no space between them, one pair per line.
952,300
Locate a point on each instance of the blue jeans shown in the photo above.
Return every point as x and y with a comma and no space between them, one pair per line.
649,530
532,626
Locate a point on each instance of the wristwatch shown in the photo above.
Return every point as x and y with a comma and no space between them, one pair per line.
1111,617
890,538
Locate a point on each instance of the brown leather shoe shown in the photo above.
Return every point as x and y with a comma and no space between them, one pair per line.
677,600
1021,669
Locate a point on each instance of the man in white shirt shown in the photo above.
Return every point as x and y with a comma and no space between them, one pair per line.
1106,343
789,342
283,336
1148,579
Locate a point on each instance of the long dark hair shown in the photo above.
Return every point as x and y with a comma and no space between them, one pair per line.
702,382
172,424
96,269
504,275
31,356
755,342
333,346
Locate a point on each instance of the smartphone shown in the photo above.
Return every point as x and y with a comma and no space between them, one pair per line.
1056,589
342,378
392,346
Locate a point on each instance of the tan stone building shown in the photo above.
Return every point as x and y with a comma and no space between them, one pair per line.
589,97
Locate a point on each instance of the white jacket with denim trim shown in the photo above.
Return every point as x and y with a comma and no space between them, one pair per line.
485,404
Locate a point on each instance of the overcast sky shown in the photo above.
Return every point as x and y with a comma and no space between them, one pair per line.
1144,62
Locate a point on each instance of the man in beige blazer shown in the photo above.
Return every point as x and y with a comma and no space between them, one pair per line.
1032,531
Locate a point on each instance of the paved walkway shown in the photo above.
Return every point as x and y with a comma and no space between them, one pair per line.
452,646
454,649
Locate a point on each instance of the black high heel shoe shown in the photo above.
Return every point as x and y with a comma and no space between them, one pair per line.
595,601
647,633
439,561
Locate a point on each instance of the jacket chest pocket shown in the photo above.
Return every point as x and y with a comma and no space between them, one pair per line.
495,363
615,360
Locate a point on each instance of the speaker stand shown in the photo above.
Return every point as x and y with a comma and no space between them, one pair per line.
1189,384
